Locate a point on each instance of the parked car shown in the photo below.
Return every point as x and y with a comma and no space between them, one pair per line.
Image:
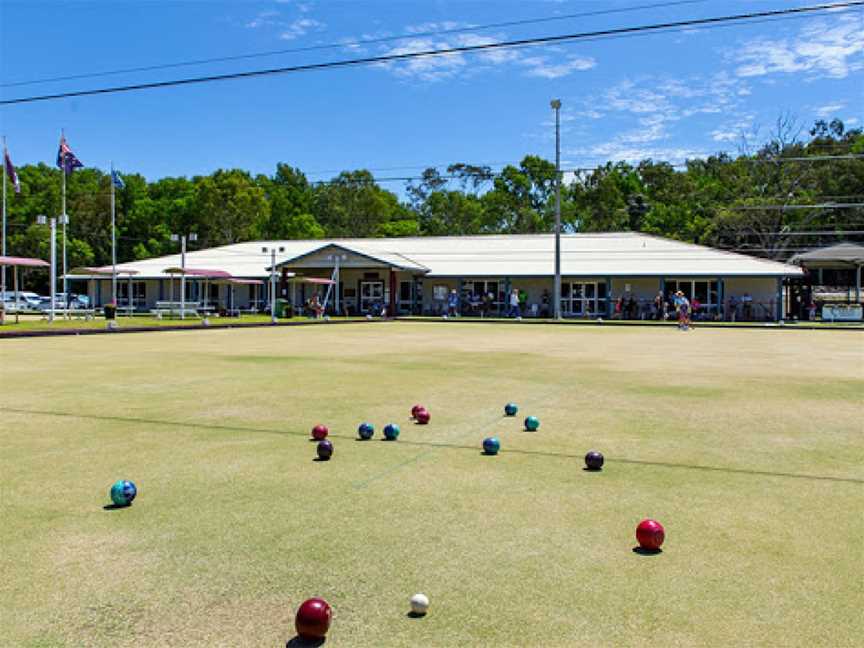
27,301
45,303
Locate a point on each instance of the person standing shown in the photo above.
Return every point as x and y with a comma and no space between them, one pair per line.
682,305
747,307
659,306
453,304
514,305
488,299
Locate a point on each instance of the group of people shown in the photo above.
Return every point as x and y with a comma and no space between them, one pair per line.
516,304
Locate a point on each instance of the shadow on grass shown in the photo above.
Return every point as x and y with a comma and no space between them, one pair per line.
415,615
642,551
300,642
592,470
429,444
321,459
114,507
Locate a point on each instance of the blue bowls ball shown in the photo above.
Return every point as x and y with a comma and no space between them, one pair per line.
391,431
366,430
491,445
510,409
532,423
325,450
123,492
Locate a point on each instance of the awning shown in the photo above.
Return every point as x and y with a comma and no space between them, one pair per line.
233,281
842,253
100,272
315,280
199,272
22,262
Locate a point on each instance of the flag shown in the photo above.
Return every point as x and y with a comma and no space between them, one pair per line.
66,159
11,172
117,180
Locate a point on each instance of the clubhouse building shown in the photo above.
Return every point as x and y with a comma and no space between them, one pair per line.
600,272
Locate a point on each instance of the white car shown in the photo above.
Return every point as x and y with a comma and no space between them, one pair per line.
27,301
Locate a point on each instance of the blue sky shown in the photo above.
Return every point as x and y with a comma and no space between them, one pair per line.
666,96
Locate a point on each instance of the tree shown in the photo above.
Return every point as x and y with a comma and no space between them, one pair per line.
519,201
353,205
228,207
291,201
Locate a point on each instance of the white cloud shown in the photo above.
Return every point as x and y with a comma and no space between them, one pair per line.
425,68
830,110
548,64
540,66
851,121
734,130
426,27
301,27
263,19
832,49
622,152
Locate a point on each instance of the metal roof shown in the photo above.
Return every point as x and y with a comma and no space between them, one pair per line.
842,253
590,255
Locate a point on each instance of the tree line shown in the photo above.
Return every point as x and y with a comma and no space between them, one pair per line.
758,201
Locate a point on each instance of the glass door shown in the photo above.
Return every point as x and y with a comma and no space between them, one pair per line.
371,294
405,296
577,295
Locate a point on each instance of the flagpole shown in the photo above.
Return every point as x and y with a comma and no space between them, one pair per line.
63,220
113,244
3,278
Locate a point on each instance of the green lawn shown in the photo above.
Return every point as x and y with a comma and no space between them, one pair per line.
30,323
746,444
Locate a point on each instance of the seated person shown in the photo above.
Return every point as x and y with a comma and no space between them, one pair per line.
316,307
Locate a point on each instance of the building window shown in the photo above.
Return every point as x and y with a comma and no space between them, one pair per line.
139,294
474,290
704,290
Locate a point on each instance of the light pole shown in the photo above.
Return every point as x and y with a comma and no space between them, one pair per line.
182,238
556,106
272,285
52,222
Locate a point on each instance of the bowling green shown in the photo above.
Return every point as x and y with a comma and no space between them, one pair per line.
746,445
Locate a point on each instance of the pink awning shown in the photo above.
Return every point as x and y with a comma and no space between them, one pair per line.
316,280
199,272
241,282
102,271
22,262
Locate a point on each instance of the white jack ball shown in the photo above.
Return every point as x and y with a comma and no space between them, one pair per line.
419,604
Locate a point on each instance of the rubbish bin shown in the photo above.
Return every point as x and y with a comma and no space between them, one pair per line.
110,311
283,308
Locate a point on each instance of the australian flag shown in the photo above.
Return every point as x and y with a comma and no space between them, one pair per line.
11,172
117,180
66,159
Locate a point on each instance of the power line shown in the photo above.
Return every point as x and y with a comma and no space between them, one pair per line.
785,207
438,52
354,43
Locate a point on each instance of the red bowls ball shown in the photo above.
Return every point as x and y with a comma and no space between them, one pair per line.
422,416
320,432
313,619
416,409
650,535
